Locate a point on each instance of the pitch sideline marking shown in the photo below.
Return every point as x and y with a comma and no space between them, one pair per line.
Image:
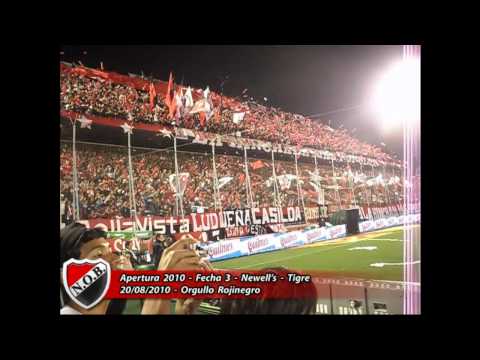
381,265
344,241
382,239
369,248
352,239
323,243
397,282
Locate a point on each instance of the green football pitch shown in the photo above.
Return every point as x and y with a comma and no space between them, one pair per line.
350,257
376,255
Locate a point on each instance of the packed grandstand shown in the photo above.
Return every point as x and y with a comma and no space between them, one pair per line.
161,175
334,168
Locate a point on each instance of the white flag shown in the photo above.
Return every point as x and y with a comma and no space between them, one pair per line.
84,122
126,128
188,98
206,93
223,181
201,105
238,117
209,113
285,181
317,187
179,104
166,133
178,99
359,178
315,176
183,180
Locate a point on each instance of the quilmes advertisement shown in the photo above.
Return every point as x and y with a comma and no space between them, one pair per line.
264,243
391,221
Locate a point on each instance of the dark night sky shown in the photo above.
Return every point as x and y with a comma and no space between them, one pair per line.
299,79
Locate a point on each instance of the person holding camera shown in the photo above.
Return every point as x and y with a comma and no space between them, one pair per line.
159,245
78,242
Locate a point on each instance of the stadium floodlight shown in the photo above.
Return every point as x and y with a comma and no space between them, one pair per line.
396,97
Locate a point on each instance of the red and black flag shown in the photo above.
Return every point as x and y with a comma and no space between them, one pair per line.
153,96
170,97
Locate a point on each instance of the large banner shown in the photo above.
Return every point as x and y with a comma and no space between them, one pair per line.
251,230
245,230
381,212
200,137
312,215
252,221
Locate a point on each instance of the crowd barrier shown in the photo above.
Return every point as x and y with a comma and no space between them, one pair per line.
227,249
378,224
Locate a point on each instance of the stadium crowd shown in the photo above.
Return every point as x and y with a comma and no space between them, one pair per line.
103,177
103,182
97,96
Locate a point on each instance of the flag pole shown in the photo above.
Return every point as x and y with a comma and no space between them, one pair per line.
247,180
394,195
221,97
275,186
366,192
387,199
299,187
178,195
133,204
373,175
395,188
216,194
336,186
76,203
352,185
316,180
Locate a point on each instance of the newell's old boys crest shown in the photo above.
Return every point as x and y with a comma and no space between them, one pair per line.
86,281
